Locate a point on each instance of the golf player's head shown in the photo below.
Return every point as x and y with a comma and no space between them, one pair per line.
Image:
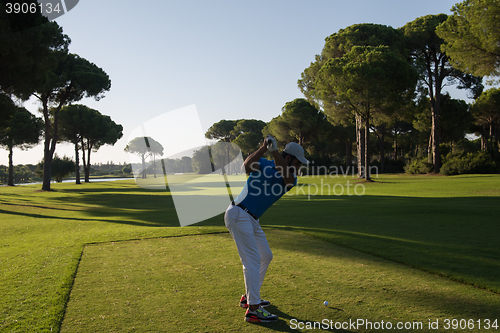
293,154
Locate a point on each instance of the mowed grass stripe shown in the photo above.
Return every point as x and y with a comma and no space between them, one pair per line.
193,284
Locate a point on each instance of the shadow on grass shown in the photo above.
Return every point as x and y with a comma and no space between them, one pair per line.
121,204
154,206
141,207
121,221
461,305
479,267
113,188
455,238
154,187
282,326
28,204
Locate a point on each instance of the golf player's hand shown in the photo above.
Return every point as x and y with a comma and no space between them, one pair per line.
271,144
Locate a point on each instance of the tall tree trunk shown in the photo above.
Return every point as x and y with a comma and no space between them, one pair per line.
10,181
483,139
143,166
436,77
436,157
429,149
367,153
77,164
83,159
360,145
496,139
395,145
348,154
50,139
381,140
414,145
87,169
47,154
490,143
47,165
154,165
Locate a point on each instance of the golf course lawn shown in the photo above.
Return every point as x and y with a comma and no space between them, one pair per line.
102,257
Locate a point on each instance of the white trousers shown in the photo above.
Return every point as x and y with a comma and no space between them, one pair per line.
253,248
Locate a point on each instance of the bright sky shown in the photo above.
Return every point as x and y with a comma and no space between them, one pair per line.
232,59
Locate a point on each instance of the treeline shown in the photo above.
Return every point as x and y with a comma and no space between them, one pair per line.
35,62
33,173
220,157
332,148
21,173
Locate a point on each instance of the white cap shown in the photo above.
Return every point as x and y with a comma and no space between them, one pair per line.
296,150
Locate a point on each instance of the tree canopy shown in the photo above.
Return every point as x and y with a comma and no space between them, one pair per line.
73,123
88,130
435,70
223,130
340,43
366,80
486,110
73,79
29,42
100,130
23,130
456,119
62,167
472,37
248,133
144,147
7,109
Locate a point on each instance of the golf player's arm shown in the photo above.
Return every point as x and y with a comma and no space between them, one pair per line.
282,167
252,162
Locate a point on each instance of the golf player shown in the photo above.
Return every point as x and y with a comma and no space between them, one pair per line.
267,182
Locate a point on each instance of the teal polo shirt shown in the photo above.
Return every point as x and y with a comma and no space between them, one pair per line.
263,188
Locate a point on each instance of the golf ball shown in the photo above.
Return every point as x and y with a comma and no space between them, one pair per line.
325,303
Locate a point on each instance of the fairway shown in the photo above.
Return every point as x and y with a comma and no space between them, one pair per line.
193,284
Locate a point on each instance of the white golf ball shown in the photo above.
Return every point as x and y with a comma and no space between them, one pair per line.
325,303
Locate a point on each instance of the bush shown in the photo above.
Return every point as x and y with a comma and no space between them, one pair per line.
467,163
321,165
418,166
127,170
391,166
61,168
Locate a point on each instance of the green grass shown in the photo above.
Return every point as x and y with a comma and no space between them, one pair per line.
192,284
443,225
43,235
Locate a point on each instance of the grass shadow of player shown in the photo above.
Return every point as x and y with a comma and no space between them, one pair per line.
284,325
